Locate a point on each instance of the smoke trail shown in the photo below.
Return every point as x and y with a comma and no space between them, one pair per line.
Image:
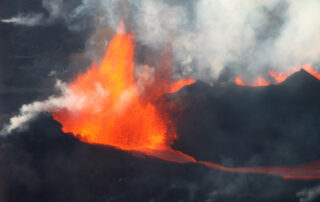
27,20
207,36
67,100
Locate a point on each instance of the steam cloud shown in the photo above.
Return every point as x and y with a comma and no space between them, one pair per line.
67,100
247,36
208,37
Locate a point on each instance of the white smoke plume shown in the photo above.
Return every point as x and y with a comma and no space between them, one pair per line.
248,37
27,20
67,100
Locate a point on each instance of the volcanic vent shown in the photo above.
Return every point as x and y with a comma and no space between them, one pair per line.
118,109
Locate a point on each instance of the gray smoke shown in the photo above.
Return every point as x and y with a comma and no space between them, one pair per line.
27,20
207,36
247,36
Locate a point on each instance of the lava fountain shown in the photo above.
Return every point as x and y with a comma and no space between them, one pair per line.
118,109
115,108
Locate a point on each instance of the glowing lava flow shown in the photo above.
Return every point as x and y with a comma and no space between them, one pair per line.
259,82
239,81
113,108
312,71
278,77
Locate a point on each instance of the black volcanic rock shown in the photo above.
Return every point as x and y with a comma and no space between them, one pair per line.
44,164
242,126
232,125
301,78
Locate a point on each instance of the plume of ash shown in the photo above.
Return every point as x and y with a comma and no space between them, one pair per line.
67,100
309,195
27,20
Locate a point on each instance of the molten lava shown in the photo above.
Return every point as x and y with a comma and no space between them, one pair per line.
278,77
261,82
116,111
239,81
115,108
312,71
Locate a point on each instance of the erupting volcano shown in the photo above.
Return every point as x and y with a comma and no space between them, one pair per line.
115,108
118,109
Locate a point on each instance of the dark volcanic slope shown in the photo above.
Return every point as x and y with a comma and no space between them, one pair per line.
239,125
44,164
232,125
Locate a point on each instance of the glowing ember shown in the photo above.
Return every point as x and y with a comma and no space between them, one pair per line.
115,111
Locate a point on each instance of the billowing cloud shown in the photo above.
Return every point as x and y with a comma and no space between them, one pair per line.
207,36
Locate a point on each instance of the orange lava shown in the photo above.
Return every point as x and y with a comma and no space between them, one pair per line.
179,84
312,71
261,82
116,111
239,81
308,171
278,77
